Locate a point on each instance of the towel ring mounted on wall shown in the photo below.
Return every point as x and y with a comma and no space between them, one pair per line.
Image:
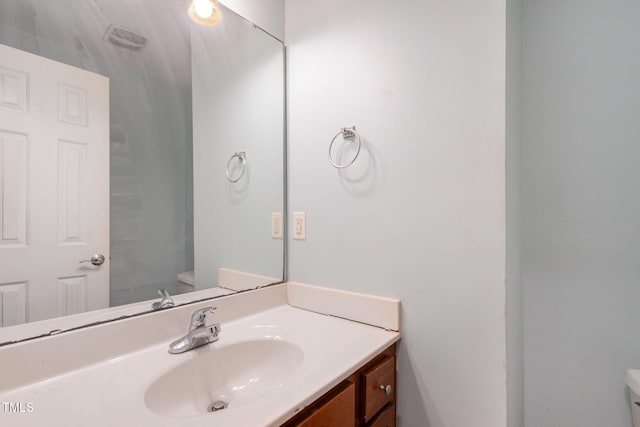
347,133
242,157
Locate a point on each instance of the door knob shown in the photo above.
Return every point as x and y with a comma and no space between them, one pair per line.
387,390
97,259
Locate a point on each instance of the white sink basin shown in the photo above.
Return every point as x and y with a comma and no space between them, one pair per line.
233,374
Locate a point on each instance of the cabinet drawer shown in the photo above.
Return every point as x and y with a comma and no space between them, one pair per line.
338,411
386,418
375,382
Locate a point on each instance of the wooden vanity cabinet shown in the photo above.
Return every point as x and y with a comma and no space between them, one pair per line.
336,408
366,399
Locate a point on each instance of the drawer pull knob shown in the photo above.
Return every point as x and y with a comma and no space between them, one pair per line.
387,390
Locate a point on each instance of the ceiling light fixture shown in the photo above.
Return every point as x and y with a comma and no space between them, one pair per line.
205,12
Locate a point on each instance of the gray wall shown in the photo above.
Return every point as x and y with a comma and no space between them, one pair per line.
581,209
515,346
151,185
421,214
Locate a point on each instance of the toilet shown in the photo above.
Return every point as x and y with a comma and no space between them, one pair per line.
186,282
633,381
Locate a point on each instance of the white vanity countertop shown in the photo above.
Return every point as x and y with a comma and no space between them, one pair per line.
112,392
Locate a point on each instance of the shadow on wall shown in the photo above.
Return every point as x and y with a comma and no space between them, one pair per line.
413,397
239,180
362,176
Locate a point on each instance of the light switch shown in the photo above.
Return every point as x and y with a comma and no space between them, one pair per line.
299,226
277,231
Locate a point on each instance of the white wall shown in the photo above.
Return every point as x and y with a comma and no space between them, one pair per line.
421,214
581,164
268,14
515,340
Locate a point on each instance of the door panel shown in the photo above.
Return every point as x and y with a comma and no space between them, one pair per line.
13,184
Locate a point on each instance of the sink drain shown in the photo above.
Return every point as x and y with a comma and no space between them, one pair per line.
216,406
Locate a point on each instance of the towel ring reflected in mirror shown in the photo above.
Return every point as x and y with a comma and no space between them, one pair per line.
242,158
347,133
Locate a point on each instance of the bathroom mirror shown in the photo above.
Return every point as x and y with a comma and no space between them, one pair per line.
192,120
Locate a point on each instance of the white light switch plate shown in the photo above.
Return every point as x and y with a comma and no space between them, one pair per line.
277,221
299,226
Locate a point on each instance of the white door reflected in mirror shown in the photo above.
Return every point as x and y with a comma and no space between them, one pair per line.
54,170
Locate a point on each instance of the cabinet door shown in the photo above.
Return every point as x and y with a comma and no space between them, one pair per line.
386,418
338,411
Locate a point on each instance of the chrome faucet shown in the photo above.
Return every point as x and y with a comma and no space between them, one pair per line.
198,334
166,301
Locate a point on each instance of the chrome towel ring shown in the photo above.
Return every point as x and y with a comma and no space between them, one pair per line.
242,157
347,133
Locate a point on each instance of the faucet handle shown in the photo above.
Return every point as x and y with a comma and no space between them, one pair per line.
165,302
198,316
